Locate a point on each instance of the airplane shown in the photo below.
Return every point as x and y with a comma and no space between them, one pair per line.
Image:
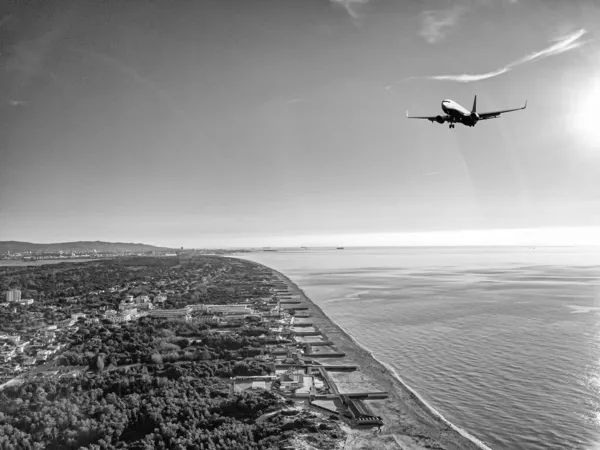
455,113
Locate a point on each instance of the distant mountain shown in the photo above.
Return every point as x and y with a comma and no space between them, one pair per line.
80,246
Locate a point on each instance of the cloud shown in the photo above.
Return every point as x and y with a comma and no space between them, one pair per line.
349,6
562,44
467,77
436,22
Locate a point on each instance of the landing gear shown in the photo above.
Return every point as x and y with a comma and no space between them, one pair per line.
451,125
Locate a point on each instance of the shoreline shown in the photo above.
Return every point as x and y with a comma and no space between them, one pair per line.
409,421
392,372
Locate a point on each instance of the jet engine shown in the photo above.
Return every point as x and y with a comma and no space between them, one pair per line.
439,119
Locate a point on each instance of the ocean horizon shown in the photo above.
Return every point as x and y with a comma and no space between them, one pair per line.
503,341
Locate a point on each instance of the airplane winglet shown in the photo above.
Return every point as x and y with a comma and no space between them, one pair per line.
525,104
407,113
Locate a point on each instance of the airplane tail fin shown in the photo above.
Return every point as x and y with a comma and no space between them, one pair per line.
474,110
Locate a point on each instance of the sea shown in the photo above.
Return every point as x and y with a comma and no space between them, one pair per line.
504,342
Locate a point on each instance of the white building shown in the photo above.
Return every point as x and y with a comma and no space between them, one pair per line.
14,295
160,298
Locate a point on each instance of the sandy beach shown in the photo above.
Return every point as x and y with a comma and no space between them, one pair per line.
408,423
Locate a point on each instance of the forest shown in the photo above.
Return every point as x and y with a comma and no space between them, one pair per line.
140,410
153,341
149,383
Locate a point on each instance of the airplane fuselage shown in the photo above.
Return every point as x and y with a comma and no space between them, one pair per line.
458,113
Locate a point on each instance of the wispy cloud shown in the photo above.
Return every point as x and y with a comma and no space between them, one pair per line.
467,77
562,44
436,22
350,6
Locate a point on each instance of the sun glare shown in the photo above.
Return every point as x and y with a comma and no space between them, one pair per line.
584,119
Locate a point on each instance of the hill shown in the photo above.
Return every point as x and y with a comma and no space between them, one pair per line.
79,246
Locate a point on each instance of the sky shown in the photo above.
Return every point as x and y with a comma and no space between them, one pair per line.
218,123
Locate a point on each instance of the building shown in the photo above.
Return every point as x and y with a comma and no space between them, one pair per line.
224,309
144,306
160,298
48,336
122,316
66,323
172,314
142,299
240,384
109,314
42,355
207,318
14,295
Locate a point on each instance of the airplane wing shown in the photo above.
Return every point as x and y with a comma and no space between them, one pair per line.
430,118
495,114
